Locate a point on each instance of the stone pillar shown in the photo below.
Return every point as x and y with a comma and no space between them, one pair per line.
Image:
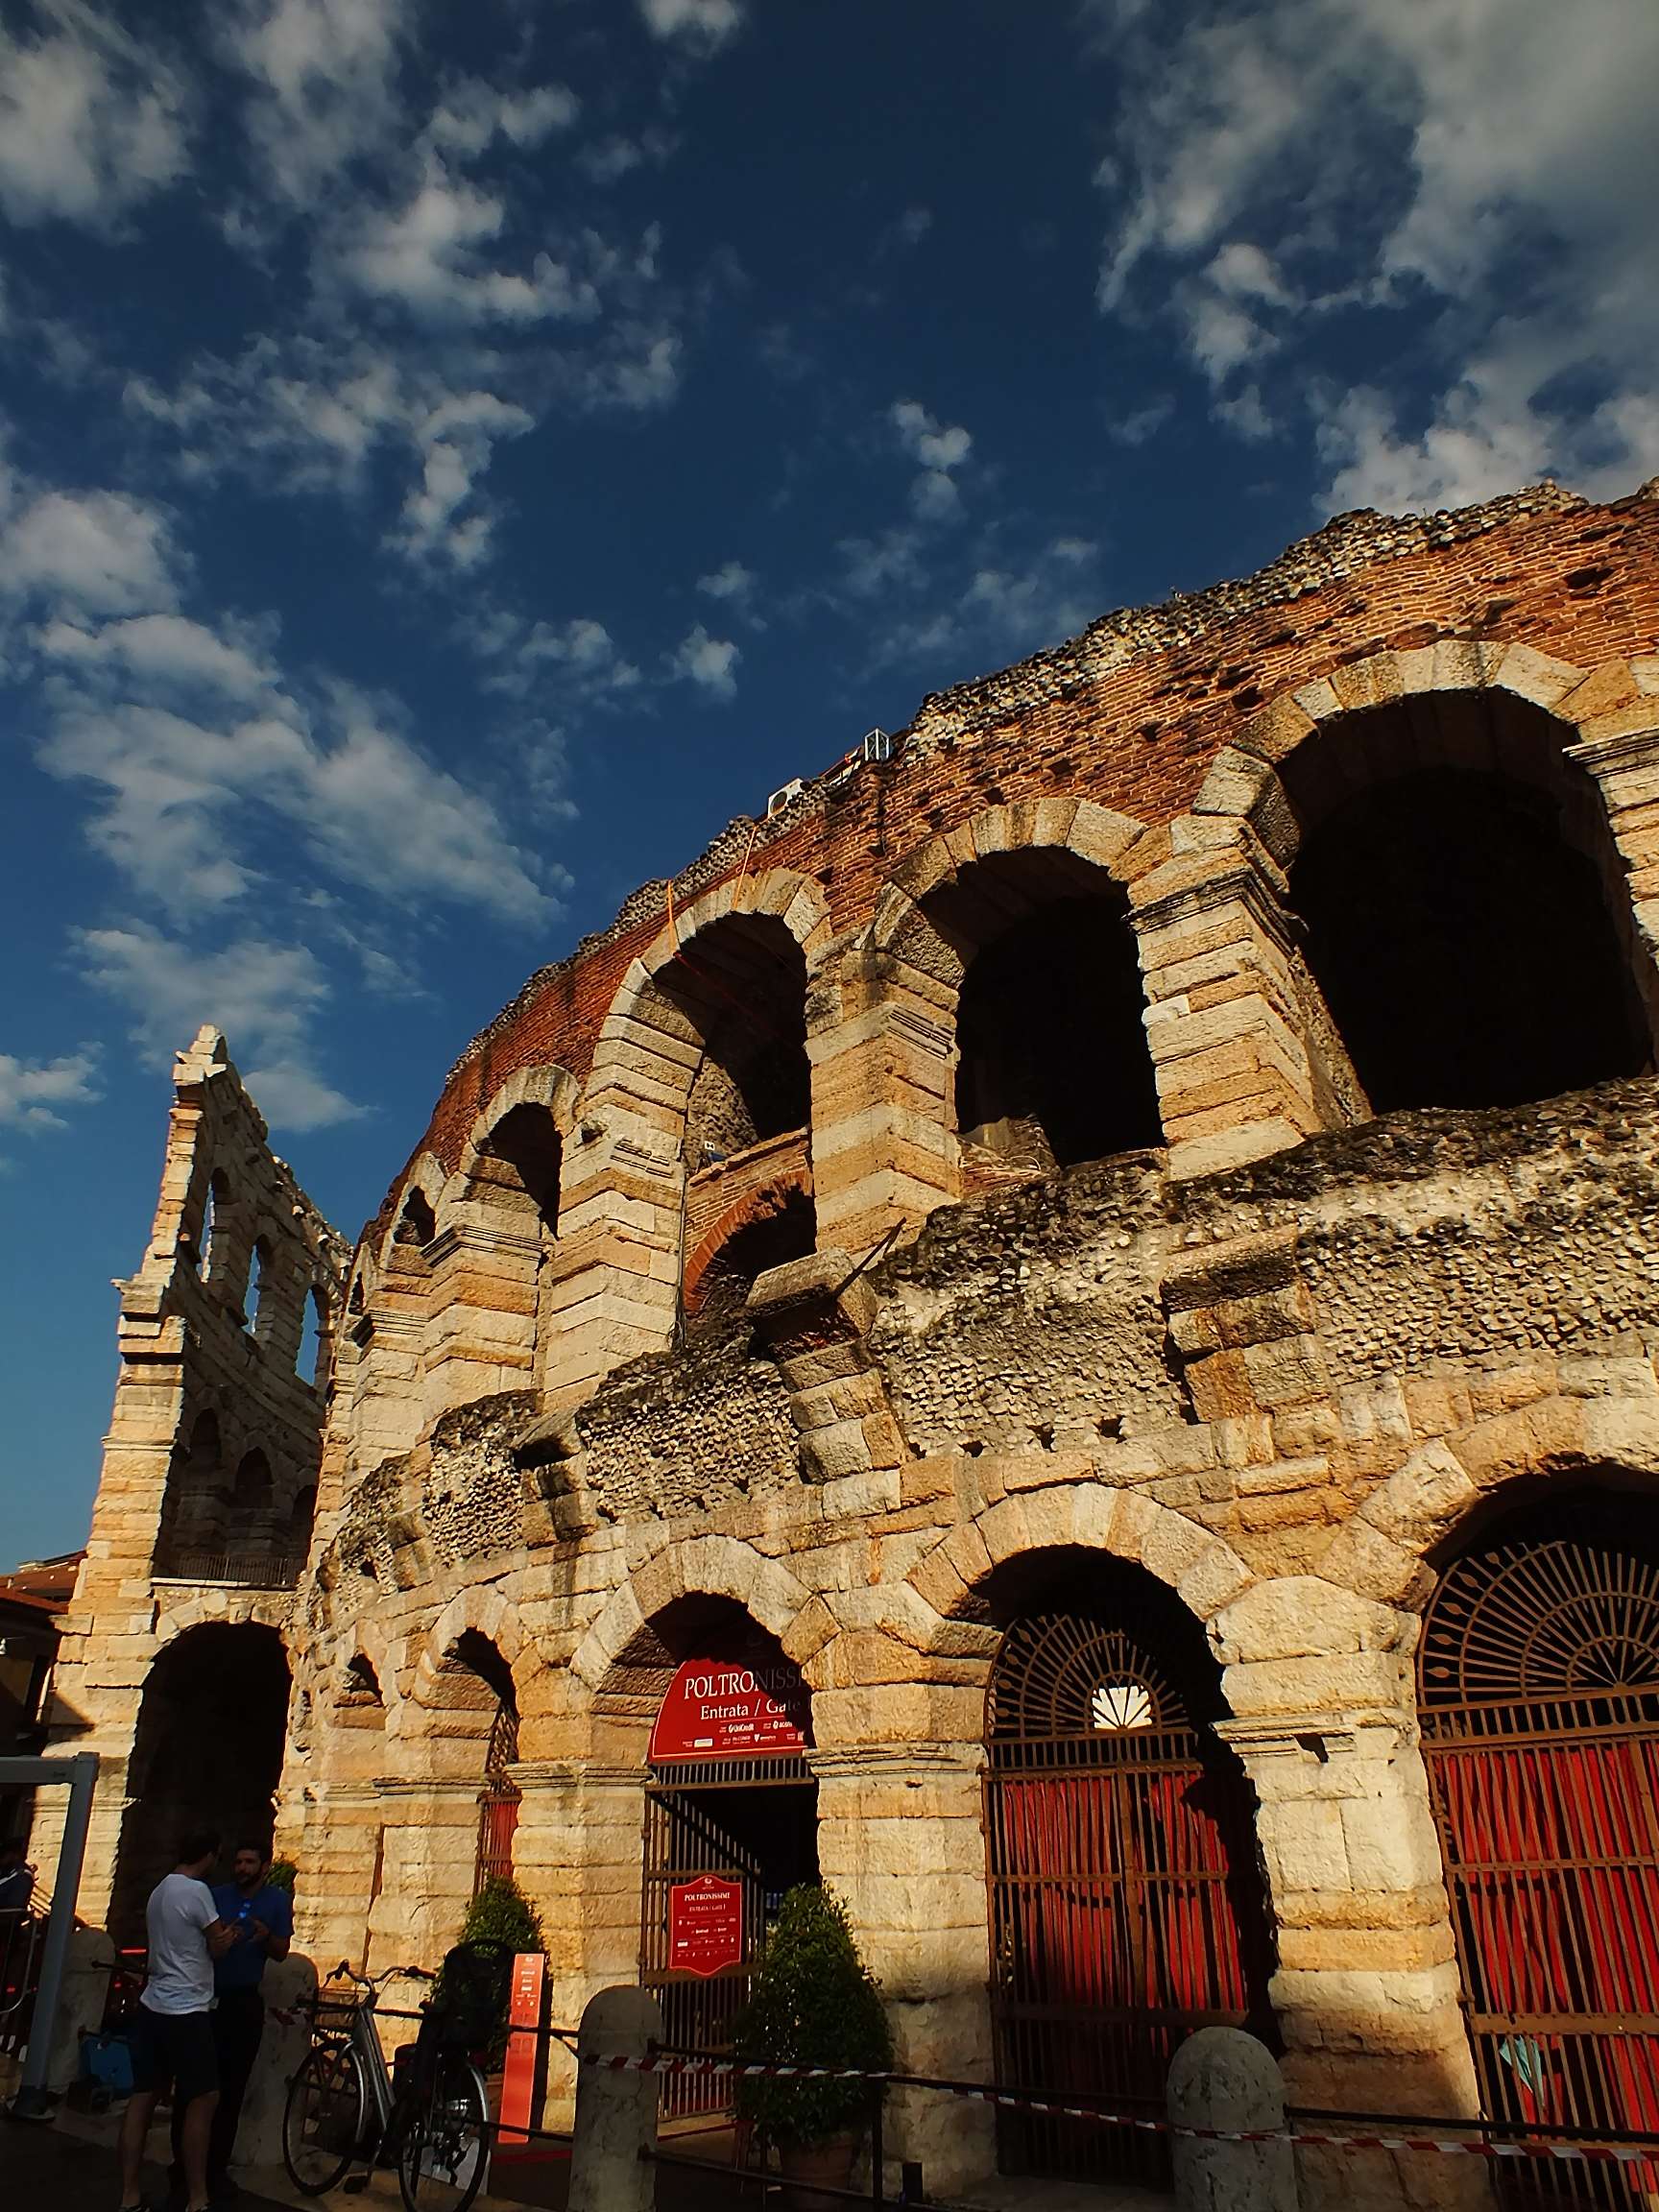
616,2109
1366,1991
1223,2078
899,1837
613,1276
1624,763
883,1153
1226,1003
283,2047
483,1327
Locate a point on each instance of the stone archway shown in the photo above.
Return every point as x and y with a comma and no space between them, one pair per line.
206,1752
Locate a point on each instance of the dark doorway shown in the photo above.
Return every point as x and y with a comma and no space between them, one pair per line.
1468,947
1126,1906
207,1752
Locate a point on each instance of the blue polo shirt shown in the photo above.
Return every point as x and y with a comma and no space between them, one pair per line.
243,1964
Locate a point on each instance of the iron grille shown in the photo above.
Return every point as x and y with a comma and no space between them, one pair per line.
1125,1911
498,1801
1538,1683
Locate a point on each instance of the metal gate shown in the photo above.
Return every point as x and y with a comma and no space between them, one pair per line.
685,1837
1125,1906
1538,1689
499,1802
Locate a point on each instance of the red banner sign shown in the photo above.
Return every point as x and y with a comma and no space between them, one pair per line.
524,2048
705,1925
725,1709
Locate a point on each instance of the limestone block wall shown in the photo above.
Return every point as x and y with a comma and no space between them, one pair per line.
1274,1358
208,1380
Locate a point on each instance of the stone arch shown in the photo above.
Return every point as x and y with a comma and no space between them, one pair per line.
428,1182
1202,1569
546,1084
773,1202
612,1297
483,1612
1383,1552
705,1567
1480,709
1010,934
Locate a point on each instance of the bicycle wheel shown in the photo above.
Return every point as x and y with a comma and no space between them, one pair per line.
444,2150
325,2118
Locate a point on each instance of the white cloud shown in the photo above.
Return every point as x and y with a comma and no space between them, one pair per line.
707,23
426,255
90,124
442,515
707,661
264,996
323,85
99,551
31,1091
474,113
1474,192
169,649
940,449
731,582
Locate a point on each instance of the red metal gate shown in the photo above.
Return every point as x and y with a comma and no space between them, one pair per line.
1126,1909
1539,1696
499,1802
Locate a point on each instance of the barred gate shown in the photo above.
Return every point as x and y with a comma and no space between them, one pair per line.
1125,1907
1539,1698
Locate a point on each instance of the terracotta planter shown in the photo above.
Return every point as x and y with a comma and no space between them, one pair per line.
803,2164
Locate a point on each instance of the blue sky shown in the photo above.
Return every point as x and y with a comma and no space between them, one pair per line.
451,461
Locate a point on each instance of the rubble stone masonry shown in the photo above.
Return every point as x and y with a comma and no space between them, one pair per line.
1281,1355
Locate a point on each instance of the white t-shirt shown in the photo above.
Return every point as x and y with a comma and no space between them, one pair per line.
179,1910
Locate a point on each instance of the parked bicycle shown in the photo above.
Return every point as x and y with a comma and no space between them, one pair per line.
346,2107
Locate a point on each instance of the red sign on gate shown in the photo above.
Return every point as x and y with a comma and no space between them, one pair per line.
725,1709
705,1925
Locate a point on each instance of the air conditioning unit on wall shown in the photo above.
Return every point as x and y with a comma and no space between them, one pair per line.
784,794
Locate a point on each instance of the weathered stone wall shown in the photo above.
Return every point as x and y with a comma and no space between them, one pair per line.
1274,1362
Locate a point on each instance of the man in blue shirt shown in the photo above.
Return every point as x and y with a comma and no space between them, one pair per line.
260,1918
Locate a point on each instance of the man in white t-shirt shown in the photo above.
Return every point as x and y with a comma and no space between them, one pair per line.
172,2032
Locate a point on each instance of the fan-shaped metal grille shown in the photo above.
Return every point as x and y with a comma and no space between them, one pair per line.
1062,1677
1553,1623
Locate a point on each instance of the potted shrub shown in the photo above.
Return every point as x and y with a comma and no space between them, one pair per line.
500,1914
812,2002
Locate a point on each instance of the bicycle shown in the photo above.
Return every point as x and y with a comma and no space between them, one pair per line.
344,2105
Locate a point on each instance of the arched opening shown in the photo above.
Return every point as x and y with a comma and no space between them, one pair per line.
784,1227
479,1703
517,1167
1125,1903
1052,1066
731,1813
259,1298
741,984
1538,1693
309,1358
417,1226
362,1687
1467,915
207,1752
195,1504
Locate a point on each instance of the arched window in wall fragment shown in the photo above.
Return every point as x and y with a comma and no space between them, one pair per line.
1052,1063
741,983
1468,919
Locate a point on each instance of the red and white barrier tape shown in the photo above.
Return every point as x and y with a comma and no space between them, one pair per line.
1006,2101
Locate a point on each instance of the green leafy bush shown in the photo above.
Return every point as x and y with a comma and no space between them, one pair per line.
503,1913
283,1875
812,2002
499,1913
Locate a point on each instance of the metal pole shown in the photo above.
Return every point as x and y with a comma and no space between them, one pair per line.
30,2102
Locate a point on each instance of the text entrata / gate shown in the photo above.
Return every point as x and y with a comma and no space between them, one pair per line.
1539,1698
731,1822
1124,1906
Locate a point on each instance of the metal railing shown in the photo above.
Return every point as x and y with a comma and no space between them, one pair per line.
239,1570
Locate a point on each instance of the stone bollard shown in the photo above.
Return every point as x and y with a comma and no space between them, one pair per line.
616,2112
1222,2077
281,2048
80,2007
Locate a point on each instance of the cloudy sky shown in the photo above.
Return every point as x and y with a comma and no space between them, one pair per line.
453,460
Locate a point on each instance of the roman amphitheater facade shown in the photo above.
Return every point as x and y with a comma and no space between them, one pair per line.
1103,1256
